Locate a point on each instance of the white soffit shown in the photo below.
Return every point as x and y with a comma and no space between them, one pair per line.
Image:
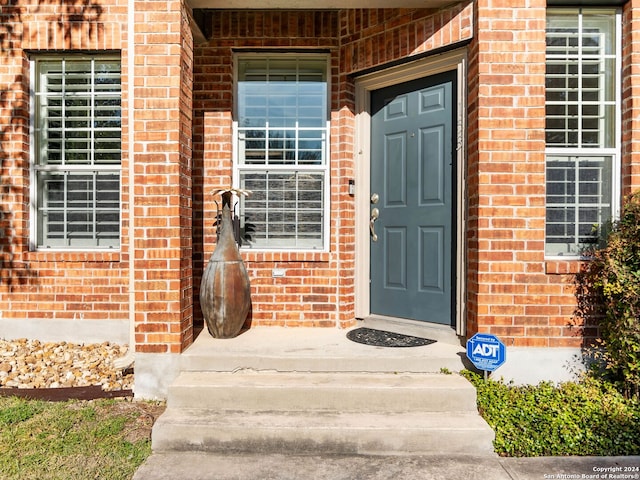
316,4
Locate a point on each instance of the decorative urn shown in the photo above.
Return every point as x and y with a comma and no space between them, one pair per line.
225,294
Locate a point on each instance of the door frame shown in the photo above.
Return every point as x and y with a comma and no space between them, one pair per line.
364,85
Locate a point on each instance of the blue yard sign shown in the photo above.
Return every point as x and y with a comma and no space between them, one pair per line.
486,351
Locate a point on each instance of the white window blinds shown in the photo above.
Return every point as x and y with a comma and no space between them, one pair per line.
582,95
281,150
76,166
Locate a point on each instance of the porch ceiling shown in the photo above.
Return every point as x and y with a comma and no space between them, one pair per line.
316,4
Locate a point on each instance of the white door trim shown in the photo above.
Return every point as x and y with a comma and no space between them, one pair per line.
453,60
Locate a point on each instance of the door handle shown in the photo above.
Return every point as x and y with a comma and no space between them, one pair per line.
375,213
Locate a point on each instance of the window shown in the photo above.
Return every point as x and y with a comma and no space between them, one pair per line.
582,98
77,152
281,131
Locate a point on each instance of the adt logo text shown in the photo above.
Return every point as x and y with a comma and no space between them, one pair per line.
486,350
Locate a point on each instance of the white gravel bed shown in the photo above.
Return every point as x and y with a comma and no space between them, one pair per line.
34,364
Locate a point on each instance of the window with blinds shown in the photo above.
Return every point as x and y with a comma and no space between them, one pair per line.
581,118
281,150
77,154
578,200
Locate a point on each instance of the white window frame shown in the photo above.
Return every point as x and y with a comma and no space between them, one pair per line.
324,168
37,149
613,152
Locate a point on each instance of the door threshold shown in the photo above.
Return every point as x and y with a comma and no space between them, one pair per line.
440,333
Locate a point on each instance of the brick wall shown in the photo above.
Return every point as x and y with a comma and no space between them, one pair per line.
631,97
510,293
308,293
95,286
513,292
183,151
44,285
162,177
186,185
318,288
374,37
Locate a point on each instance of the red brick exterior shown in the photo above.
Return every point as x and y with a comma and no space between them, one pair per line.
182,96
162,177
630,97
95,286
510,292
44,285
308,294
318,288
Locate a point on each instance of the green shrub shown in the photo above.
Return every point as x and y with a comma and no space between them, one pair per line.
584,418
608,292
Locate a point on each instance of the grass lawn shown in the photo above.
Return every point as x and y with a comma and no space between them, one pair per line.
98,439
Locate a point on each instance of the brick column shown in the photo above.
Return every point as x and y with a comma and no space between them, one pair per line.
14,160
630,97
509,294
162,177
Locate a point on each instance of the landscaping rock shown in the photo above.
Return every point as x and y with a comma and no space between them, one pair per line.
34,364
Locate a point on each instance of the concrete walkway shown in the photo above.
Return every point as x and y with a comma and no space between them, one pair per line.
201,466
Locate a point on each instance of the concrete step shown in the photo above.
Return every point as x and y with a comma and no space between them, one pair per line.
302,432
313,391
315,350
344,392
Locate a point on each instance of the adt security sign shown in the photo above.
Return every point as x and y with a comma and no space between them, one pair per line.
486,351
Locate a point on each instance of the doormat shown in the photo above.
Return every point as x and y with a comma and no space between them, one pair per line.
381,338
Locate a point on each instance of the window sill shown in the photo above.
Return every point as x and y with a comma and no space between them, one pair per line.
563,267
75,256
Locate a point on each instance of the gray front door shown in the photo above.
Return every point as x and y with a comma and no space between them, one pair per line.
412,145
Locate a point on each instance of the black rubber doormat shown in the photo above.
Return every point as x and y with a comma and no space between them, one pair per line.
381,338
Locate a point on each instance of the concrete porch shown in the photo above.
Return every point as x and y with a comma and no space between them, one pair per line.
323,350
303,390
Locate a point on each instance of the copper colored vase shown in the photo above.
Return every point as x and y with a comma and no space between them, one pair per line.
225,295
